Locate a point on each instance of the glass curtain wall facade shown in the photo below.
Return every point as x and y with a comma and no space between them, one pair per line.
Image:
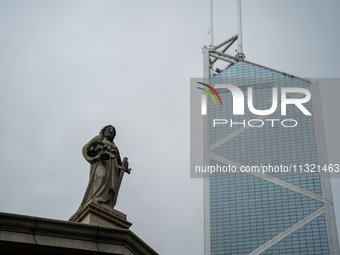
267,214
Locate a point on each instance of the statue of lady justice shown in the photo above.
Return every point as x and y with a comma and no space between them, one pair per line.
107,169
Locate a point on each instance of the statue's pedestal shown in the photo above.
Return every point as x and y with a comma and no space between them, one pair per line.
100,215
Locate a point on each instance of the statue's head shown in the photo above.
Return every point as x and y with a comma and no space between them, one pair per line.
108,131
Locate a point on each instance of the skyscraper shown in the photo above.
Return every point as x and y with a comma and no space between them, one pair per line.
265,213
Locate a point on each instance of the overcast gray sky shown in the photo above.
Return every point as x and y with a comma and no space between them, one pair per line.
67,68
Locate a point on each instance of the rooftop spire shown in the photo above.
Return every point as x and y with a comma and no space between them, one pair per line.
211,23
240,43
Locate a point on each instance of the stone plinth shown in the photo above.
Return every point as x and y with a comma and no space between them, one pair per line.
20,234
100,215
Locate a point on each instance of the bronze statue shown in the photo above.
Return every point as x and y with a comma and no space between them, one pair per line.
107,169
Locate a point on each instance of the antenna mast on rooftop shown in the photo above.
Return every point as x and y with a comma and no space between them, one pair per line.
211,23
240,43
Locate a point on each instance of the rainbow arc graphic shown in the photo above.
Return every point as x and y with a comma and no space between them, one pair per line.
209,93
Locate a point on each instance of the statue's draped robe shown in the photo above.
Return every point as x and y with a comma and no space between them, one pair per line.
105,176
